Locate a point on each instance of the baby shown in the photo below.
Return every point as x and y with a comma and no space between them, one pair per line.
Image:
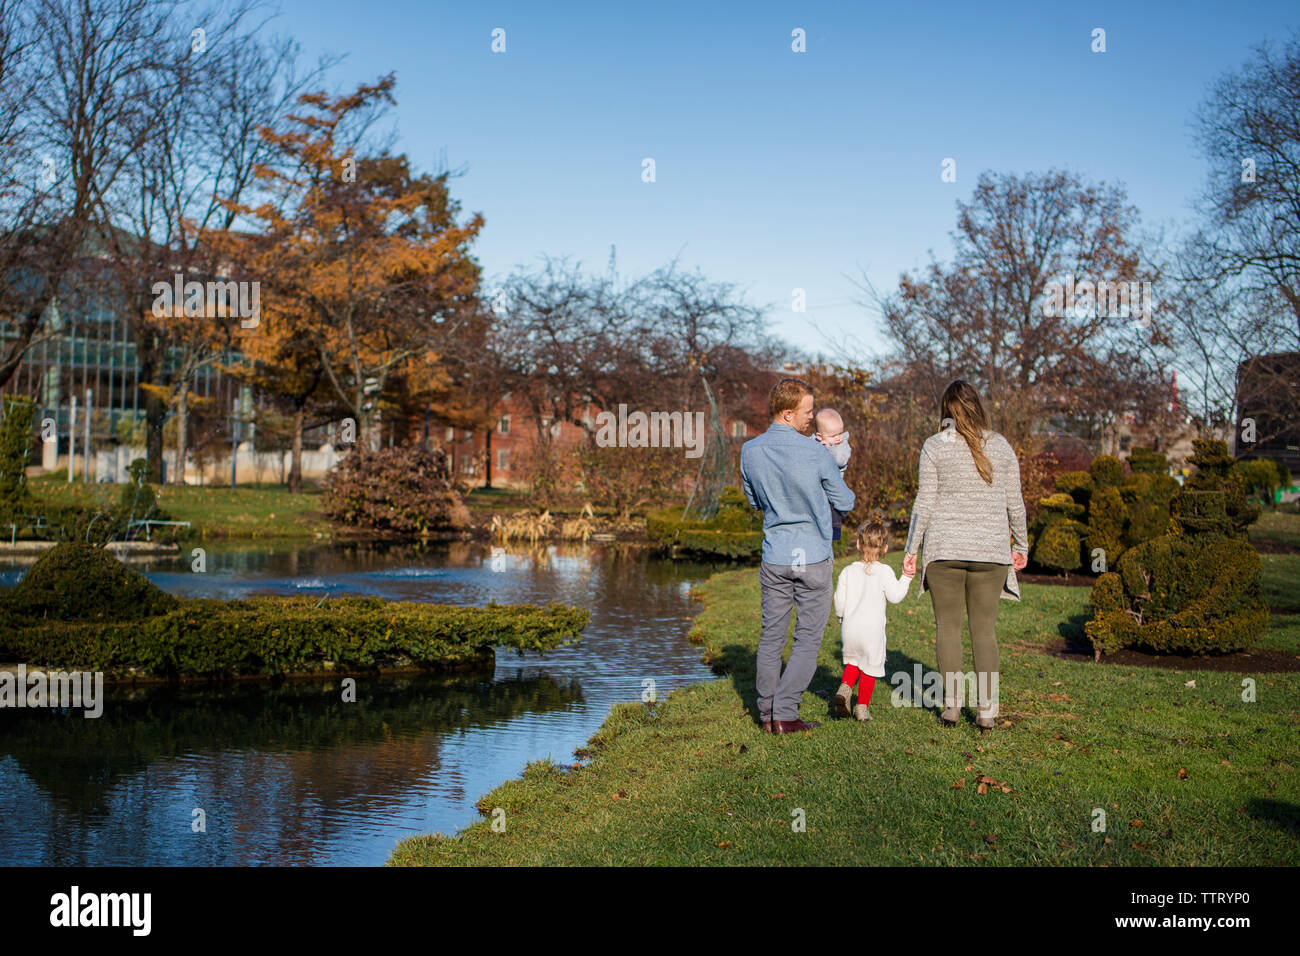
830,432
860,595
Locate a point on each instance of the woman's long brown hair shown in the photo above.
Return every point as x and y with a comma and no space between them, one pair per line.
962,404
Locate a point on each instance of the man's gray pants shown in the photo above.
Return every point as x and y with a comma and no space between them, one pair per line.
807,590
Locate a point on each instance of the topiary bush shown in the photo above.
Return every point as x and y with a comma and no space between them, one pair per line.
1107,518
1106,470
1148,494
1213,500
405,490
1180,595
1058,536
76,581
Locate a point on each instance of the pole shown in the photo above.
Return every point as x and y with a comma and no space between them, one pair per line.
234,438
72,437
90,403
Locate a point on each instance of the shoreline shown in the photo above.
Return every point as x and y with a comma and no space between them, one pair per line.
692,780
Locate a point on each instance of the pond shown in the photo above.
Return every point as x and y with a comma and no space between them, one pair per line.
290,774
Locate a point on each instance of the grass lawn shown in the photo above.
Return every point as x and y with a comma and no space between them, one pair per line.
266,511
1185,775
1279,527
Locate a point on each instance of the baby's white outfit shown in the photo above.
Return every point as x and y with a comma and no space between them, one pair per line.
860,596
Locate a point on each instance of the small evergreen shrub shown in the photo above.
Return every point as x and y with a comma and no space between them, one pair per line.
1058,535
76,581
1180,595
1106,470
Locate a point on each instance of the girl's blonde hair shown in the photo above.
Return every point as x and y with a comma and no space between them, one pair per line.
872,540
962,404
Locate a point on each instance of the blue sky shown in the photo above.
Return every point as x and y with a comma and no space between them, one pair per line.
778,170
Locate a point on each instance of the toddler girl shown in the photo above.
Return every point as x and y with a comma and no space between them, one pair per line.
860,596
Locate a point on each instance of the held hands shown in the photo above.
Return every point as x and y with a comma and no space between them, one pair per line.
909,565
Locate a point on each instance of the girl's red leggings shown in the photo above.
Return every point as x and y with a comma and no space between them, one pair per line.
851,676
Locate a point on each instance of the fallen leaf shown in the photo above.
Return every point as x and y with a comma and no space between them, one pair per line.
724,844
990,838
1190,683
961,785
1182,772
1135,823
982,788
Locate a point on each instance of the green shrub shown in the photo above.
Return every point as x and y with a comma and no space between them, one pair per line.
736,531
272,636
15,441
1076,484
75,581
1147,496
1180,595
1057,547
1192,513
1260,477
1106,470
1147,461
1056,538
1106,520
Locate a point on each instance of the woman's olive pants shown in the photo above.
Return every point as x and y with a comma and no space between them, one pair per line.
974,587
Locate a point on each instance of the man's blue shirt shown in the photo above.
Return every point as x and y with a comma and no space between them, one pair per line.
793,480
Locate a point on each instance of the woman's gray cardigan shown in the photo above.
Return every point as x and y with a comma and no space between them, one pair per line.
958,516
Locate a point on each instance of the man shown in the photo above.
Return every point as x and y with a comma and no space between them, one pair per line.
794,481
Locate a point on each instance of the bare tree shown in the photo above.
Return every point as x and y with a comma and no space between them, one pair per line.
1240,272
985,316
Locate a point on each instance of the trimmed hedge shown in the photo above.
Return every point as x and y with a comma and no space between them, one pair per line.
273,636
736,531
81,608
1180,595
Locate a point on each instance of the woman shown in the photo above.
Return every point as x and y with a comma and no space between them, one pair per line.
969,519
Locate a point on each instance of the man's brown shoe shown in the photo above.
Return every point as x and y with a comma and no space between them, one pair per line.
767,726
792,726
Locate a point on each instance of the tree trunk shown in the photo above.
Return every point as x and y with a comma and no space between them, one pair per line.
295,467
487,454
182,434
155,409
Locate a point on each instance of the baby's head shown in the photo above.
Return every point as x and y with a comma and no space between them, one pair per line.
872,541
829,423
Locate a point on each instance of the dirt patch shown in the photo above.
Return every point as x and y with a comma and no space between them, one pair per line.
1066,580
1255,662
1267,546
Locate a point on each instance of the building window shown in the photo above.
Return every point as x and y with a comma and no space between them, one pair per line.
503,426
738,429
1124,442
467,465
503,459
451,434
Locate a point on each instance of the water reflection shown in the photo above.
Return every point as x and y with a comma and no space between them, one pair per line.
292,775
